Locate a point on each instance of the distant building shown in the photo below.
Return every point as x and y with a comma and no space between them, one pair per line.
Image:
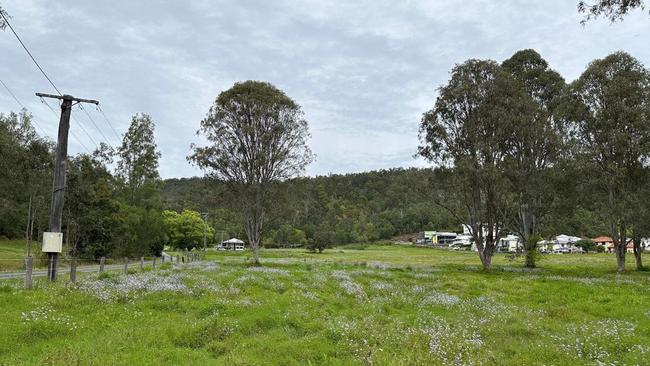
231,244
509,243
436,238
606,242
560,244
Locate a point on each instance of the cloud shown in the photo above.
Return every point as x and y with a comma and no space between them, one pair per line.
363,71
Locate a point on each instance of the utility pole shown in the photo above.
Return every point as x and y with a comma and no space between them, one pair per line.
60,162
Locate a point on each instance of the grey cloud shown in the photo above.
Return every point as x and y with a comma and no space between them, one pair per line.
364,71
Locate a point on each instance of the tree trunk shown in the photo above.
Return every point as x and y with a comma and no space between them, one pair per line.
620,257
256,252
253,234
254,222
485,252
530,258
527,235
638,252
486,260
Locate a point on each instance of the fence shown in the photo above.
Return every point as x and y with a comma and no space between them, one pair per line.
37,266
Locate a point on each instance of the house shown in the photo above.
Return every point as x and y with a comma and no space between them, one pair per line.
509,243
560,244
231,244
606,242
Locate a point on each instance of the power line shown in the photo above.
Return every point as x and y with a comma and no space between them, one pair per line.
85,131
29,53
71,132
94,123
109,123
58,91
23,107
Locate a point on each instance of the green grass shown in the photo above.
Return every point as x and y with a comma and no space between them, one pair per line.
384,305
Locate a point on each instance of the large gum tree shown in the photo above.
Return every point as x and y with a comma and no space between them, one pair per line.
470,129
257,136
609,110
535,149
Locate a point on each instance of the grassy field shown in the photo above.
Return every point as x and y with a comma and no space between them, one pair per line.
384,305
12,254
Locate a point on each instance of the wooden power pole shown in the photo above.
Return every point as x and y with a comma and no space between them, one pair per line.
60,162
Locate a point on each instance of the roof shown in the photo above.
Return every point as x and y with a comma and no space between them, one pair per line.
602,239
566,239
233,241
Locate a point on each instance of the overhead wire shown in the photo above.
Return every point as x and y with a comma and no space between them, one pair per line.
23,107
109,122
31,56
28,52
71,132
94,123
84,130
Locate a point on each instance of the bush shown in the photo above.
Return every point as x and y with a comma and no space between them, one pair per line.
106,275
316,246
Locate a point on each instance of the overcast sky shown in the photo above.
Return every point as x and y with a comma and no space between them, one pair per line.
363,71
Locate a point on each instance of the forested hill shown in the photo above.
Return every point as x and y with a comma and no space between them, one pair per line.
346,208
335,209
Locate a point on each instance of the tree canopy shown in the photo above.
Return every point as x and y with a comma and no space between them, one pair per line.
257,135
472,128
614,10
609,109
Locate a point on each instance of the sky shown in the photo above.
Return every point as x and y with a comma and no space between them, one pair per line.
363,71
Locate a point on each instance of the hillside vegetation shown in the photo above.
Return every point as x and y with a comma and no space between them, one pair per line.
345,208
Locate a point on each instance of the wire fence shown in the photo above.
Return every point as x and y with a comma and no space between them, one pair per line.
41,266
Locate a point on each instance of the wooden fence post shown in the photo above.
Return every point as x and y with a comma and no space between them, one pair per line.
29,265
73,270
126,265
154,262
178,258
141,263
102,260
162,259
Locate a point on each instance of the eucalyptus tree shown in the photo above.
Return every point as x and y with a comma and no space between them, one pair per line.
257,136
613,10
470,128
137,164
535,149
609,109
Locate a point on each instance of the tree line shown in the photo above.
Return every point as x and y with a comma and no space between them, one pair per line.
106,213
516,150
518,143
